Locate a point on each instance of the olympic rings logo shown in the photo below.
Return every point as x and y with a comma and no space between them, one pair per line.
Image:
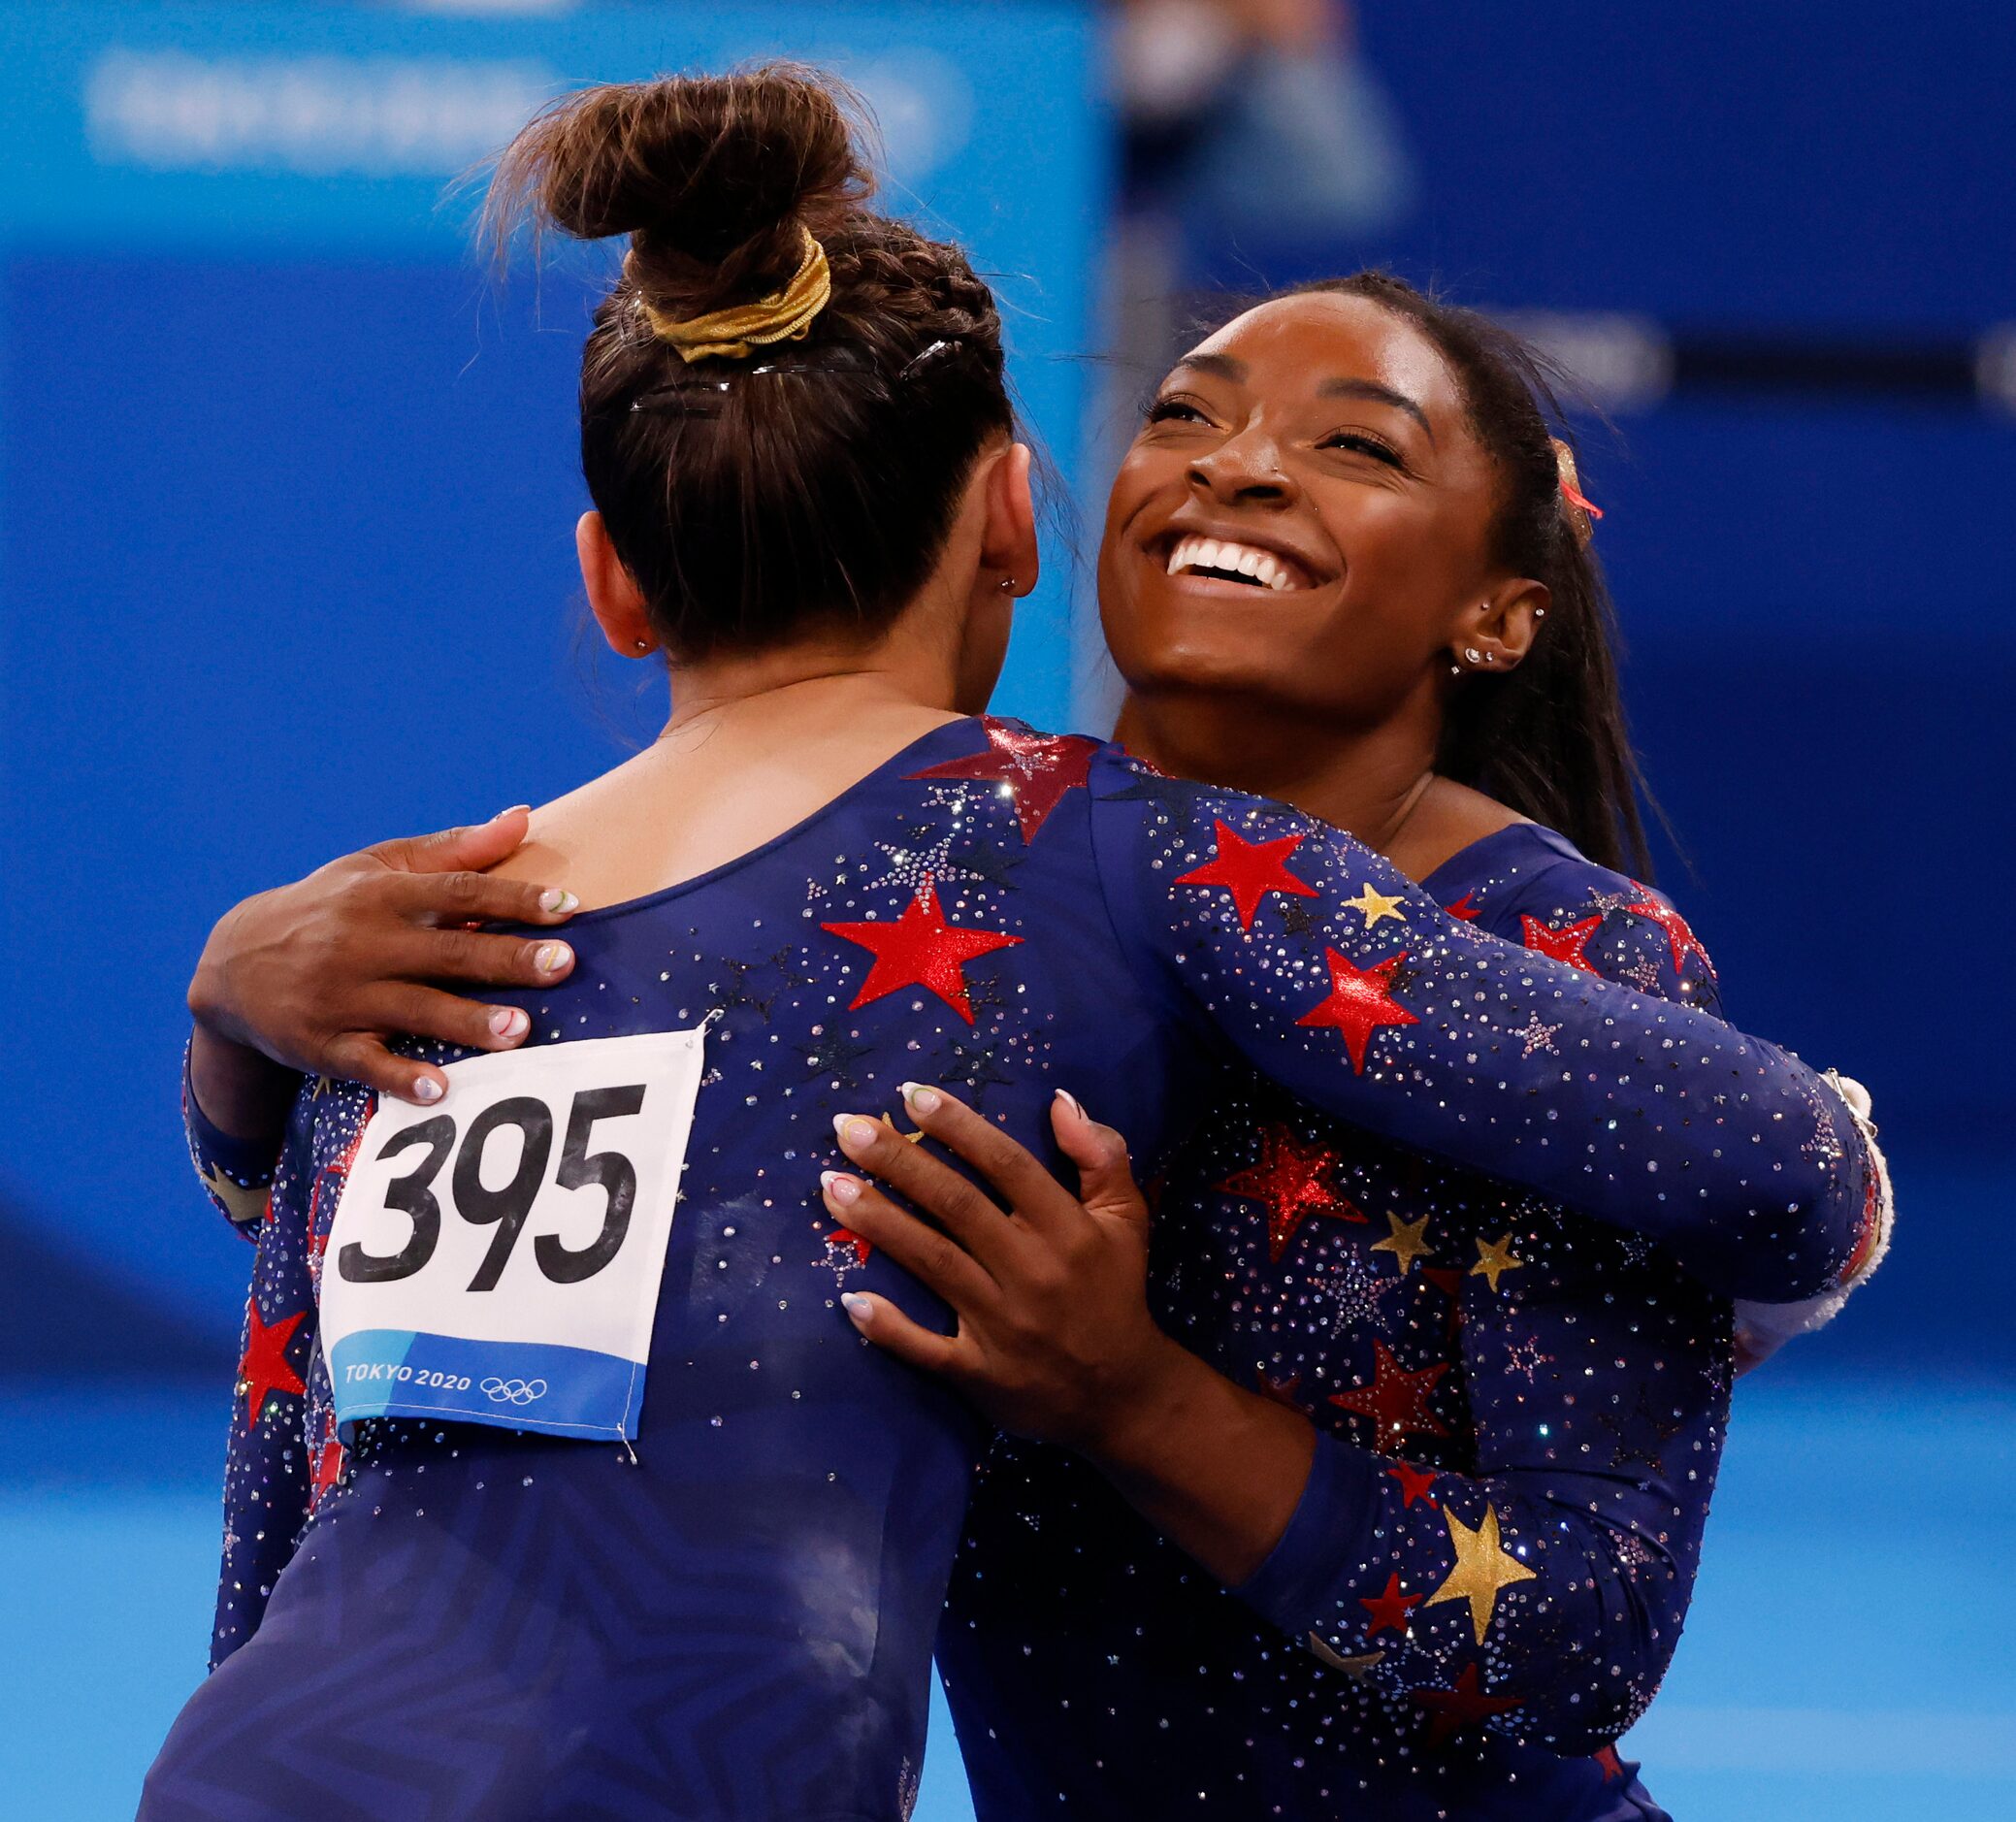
514,1391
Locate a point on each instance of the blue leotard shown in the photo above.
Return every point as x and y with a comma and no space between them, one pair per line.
473,1621
1520,1415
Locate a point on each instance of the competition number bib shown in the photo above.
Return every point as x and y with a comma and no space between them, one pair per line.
497,1260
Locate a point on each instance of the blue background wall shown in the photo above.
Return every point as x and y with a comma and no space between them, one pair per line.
287,491
285,485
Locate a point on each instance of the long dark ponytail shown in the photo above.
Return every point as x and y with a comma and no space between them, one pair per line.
1548,738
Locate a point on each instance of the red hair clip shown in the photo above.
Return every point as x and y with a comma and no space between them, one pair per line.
1575,505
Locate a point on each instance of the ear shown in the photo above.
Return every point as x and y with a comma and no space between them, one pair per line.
1496,633
613,594
1008,549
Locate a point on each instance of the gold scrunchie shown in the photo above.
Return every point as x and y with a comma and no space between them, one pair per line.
735,334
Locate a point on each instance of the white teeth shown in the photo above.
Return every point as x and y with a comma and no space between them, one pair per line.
1210,553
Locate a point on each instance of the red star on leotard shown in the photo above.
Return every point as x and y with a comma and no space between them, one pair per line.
1450,1284
1033,771
329,1462
1397,1399
338,1173
1389,1609
920,948
1281,1391
1292,1180
1869,1231
264,1370
1683,940
847,1237
1567,944
1248,870
1358,1002
1415,1482
1451,1710
1613,1766
1463,910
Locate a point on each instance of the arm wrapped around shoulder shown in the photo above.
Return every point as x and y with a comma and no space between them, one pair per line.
1336,976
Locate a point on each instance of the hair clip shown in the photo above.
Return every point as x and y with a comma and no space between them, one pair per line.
678,395
679,391
924,357
1576,508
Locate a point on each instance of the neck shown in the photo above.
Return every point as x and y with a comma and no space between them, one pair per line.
820,679
1365,779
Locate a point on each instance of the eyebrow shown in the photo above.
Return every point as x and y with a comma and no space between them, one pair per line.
1227,367
1223,365
1378,395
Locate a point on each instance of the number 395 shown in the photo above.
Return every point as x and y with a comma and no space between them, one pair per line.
412,1196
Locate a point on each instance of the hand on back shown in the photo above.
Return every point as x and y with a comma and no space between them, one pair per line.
319,975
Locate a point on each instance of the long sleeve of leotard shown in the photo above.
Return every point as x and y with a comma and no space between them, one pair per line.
236,1174
1540,1590
1343,980
274,1454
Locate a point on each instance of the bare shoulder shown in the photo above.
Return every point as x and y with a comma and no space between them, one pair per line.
565,834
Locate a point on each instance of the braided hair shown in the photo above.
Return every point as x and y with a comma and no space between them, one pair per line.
812,486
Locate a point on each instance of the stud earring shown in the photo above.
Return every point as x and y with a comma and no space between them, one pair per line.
644,645
1473,654
1008,584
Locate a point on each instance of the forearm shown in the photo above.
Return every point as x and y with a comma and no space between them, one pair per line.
1216,1469
1645,1115
241,1091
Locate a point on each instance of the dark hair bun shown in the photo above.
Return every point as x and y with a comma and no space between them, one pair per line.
713,177
814,486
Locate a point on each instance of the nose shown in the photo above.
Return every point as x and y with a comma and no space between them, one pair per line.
1246,470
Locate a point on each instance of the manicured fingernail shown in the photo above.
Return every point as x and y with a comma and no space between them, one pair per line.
920,1100
1072,1101
426,1089
510,1022
856,1305
512,811
551,958
558,899
840,1188
854,1131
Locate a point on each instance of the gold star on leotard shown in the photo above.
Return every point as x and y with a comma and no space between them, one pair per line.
915,1138
1495,1258
1481,1569
1358,1669
1376,905
243,1205
1405,1243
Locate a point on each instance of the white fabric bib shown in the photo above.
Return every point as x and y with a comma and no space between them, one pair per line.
496,1258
